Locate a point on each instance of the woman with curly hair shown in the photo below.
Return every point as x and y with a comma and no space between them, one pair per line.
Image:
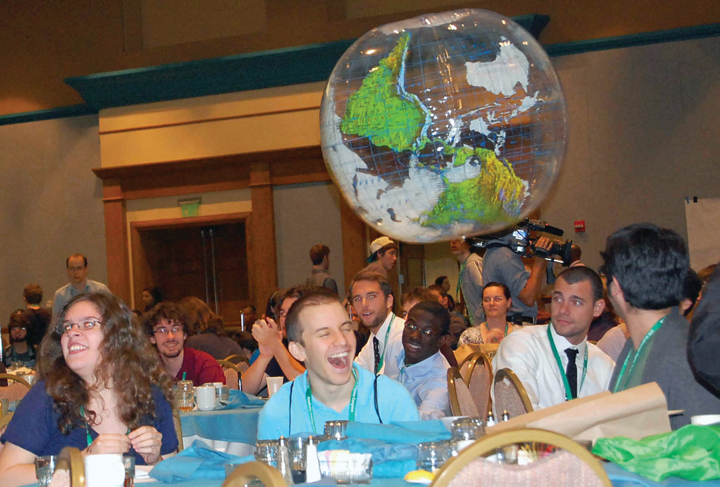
102,389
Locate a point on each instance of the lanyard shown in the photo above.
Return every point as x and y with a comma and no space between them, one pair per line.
647,336
568,394
387,335
487,327
87,428
353,401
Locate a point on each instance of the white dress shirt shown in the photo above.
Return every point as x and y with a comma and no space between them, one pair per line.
366,357
527,352
427,383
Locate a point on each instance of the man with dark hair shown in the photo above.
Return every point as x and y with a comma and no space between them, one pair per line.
166,325
423,368
20,352
320,257
383,256
333,387
575,254
37,318
77,270
372,299
646,267
470,280
273,358
555,362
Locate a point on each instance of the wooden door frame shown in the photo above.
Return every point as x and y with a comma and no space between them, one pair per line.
140,264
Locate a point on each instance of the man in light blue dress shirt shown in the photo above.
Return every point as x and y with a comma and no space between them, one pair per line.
77,269
423,368
333,387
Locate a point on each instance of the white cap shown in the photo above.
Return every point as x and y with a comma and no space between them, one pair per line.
379,243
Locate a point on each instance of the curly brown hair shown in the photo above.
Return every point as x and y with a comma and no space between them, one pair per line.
128,364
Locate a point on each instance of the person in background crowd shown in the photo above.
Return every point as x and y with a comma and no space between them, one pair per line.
101,389
38,318
151,296
333,387
692,286
457,321
372,298
413,297
248,317
423,368
167,326
496,303
77,270
444,282
646,267
20,352
273,358
555,362
383,256
470,280
575,254
704,340
320,277
209,332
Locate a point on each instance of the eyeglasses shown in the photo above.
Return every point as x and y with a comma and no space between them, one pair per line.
162,330
497,299
82,325
428,332
21,328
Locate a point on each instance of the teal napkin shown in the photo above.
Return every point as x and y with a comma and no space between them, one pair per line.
405,432
238,400
196,462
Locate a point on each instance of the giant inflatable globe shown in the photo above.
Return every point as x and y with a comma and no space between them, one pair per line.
444,125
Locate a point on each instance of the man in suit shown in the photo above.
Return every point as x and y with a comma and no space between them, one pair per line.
645,267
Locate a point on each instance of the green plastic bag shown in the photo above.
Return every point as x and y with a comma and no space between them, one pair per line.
692,453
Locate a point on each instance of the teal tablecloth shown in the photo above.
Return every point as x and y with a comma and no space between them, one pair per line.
236,425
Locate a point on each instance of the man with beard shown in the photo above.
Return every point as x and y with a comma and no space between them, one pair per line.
333,387
372,299
19,351
166,325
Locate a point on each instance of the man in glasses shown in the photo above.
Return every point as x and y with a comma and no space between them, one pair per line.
166,325
423,368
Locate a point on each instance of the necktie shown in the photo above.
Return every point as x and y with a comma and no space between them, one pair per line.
571,371
376,347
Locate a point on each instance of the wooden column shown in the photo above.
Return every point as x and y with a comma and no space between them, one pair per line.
354,242
116,242
263,264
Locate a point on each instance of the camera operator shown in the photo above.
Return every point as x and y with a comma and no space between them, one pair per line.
501,264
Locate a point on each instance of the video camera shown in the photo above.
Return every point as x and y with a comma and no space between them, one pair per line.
521,243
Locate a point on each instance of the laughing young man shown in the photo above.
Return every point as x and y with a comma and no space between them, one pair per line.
333,387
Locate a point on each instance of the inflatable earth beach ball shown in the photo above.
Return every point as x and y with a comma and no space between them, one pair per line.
444,125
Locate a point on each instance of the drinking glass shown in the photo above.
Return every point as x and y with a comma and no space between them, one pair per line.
44,469
266,451
335,429
465,431
297,447
129,464
185,395
433,455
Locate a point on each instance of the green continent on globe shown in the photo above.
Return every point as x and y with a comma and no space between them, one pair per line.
379,111
494,196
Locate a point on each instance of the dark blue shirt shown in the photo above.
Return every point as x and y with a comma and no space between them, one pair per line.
34,426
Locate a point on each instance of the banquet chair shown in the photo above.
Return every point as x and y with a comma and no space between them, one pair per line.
510,394
245,473
571,465
178,427
4,421
71,461
236,359
16,390
232,372
479,381
461,401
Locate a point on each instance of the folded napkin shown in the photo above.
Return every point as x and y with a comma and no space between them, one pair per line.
691,452
389,460
239,400
196,462
403,432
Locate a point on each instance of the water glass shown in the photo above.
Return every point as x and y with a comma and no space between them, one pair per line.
129,464
297,446
266,451
44,469
433,455
335,430
185,395
465,431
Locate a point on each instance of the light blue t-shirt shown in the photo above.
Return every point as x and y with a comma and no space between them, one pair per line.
394,404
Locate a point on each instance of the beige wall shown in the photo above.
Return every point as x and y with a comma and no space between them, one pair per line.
305,215
51,205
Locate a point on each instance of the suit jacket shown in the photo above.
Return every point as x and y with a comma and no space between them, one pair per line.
668,365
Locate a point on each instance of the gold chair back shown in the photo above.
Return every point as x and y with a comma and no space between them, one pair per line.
246,472
479,381
510,394
16,390
461,401
71,459
178,428
233,373
573,466
4,421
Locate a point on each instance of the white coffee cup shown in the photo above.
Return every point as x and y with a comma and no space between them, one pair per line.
273,385
205,397
104,470
705,419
